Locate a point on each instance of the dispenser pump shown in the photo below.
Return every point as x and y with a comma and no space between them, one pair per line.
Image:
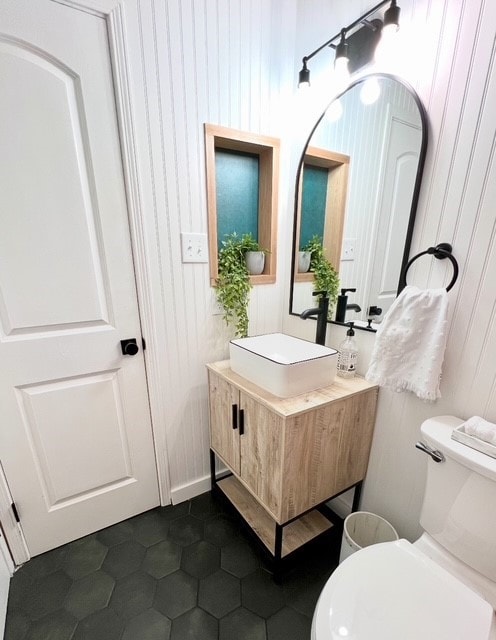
348,354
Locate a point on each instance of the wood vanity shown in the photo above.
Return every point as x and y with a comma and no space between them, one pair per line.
288,456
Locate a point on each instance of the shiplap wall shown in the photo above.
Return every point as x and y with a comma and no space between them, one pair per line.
452,69
232,62
225,62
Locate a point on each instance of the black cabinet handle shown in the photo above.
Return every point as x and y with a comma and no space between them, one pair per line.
235,416
241,422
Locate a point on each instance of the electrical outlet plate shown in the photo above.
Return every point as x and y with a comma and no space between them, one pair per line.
194,247
348,249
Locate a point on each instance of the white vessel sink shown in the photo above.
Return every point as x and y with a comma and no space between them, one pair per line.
284,365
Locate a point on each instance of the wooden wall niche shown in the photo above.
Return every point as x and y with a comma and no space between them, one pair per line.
267,150
337,165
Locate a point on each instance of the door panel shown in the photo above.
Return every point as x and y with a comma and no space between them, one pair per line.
400,169
70,465
49,144
77,446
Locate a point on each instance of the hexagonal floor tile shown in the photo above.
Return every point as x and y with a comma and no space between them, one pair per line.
102,625
220,530
204,506
162,558
16,625
302,588
242,625
150,528
83,557
133,594
46,595
148,625
288,624
174,511
186,530
195,624
45,563
124,558
201,559
176,594
238,558
261,594
89,594
116,534
59,625
219,593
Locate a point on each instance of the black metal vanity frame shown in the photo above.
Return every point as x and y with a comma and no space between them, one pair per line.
416,190
281,564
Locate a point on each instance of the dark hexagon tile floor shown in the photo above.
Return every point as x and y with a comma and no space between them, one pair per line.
184,572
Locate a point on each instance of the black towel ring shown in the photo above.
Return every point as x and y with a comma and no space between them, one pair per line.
441,251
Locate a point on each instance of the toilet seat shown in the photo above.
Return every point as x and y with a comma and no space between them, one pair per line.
393,590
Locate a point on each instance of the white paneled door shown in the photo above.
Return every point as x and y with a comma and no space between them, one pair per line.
75,438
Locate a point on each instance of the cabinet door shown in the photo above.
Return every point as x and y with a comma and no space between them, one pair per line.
326,451
261,453
224,431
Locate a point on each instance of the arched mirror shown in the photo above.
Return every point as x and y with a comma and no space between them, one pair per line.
357,188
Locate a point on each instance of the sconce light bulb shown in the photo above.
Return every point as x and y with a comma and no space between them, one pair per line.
370,91
386,50
341,73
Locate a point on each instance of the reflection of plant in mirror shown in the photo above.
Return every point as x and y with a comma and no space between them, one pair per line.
233,282
325,275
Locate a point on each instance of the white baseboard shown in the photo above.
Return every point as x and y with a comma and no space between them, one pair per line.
190,489
196,487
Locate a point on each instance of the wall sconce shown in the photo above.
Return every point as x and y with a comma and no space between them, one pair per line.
344,50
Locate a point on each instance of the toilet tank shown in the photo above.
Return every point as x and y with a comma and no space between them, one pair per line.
459,507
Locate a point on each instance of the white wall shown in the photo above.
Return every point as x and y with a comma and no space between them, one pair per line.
226,62
232,63
453,71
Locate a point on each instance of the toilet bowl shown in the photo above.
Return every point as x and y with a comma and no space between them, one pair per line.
443,586
393,591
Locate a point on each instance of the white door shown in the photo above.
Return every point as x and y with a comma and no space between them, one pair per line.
401,157
75,439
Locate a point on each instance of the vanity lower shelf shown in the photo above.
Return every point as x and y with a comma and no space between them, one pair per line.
294,535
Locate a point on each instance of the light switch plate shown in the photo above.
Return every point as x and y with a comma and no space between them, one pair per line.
348,249
194,247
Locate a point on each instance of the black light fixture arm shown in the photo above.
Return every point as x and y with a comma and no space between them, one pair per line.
352,25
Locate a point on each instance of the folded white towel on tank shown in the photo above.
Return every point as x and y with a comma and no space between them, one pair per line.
480,428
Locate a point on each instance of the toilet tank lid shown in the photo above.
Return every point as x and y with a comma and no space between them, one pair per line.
437,432
392,590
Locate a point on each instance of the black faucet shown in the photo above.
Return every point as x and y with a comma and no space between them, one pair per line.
342,305
321,312
354,307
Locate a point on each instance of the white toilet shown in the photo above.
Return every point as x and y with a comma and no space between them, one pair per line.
443,586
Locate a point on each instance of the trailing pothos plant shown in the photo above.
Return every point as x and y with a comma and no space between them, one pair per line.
233,281
326,277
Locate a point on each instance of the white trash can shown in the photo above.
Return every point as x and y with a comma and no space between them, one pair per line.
362,529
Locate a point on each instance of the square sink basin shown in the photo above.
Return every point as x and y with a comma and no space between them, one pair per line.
283,365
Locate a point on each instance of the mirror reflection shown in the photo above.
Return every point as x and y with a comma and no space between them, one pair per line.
357,188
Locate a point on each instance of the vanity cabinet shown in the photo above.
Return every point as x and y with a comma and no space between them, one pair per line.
288,456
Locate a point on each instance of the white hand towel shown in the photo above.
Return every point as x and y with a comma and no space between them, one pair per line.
409,348
480,428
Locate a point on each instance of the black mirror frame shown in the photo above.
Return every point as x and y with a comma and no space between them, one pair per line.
416,190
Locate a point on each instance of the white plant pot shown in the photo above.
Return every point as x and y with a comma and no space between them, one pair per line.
255,262
304,261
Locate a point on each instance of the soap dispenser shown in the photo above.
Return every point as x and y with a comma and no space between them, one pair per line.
348,355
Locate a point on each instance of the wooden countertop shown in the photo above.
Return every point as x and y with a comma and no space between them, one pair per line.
341,388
